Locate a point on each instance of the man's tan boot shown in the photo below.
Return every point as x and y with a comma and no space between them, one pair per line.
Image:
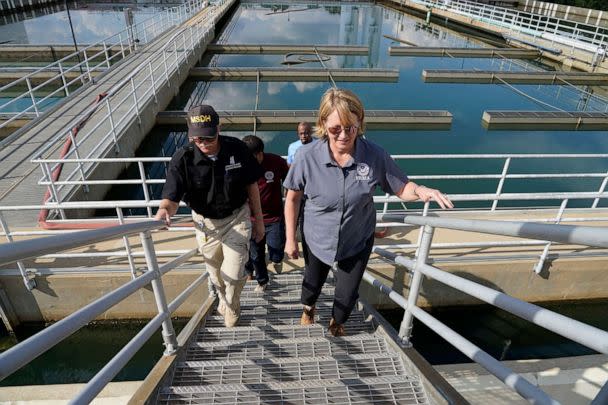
231,317
336,329
308,315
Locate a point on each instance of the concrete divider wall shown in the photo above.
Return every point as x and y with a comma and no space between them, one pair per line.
570,58
59,295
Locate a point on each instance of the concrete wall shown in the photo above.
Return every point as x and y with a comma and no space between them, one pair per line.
59,295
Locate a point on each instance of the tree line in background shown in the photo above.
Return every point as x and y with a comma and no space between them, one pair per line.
594,4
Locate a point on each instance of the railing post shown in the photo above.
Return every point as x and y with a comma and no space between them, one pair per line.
166,68
122,47
30,283
125,239
29,90
107,55
80,168
153,82
116,147
65,83
425,212
503,176
543,257
142,174
47,173
86,63
405,330
601,190
159,293
136,102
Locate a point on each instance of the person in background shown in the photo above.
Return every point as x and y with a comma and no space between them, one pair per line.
305,137
271,196
338,175
217,177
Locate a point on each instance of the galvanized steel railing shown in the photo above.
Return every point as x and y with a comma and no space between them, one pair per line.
67,75
24,352
123,103
505,174
584,334
589,37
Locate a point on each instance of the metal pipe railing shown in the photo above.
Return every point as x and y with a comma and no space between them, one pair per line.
132,84
506,375
22,250
158,23
571,234
574,330
530,23
21,354
503,176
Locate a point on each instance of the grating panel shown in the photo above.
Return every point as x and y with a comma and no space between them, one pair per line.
261,299
306,347
270,359
379,390
208,334
286,370
283,318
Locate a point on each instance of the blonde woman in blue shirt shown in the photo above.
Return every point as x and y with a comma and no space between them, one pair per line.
337,176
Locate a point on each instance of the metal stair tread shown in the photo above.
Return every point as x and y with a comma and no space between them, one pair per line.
285,360
287,369
299,347
273,308
390,389
293,318
277,331
253,299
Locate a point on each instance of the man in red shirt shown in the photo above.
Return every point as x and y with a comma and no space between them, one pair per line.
271,195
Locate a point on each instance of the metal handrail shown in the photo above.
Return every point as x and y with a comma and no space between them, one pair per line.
92,61
570,234
584,334
24,352
550,28
156,69
498,195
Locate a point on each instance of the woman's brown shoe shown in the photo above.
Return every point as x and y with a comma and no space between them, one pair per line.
308,315
336,329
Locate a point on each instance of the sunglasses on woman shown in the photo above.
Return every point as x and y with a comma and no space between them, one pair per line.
337,130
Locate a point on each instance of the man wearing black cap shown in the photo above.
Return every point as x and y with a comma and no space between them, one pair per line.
216,176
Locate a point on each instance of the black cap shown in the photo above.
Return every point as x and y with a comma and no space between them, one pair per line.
202,121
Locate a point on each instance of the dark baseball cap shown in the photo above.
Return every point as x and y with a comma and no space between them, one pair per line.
202,121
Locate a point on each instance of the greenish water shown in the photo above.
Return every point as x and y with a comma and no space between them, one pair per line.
502,335
79,357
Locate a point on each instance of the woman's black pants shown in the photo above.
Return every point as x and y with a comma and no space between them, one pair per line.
348,276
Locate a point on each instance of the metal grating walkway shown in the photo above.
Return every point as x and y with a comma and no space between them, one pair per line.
269,358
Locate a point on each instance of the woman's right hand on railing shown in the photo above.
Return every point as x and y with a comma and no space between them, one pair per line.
163,215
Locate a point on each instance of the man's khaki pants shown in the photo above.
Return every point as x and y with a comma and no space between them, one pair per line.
224,244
